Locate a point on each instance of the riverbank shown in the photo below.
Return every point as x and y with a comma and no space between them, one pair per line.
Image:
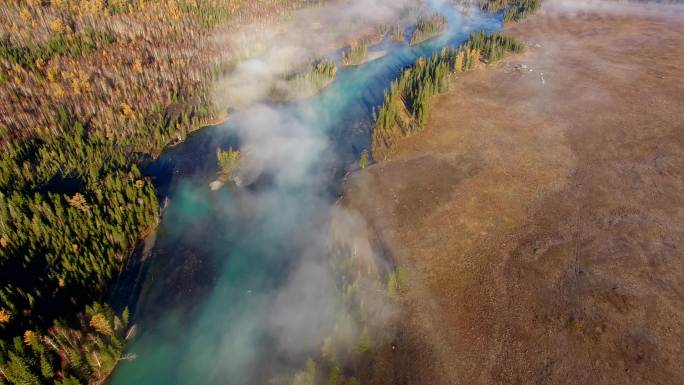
266,237
372,56
539,214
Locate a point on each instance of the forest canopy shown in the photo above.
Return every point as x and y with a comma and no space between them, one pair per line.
90,90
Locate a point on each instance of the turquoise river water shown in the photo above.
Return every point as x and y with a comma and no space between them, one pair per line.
206,295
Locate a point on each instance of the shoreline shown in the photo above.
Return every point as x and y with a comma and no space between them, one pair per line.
372,56
140,244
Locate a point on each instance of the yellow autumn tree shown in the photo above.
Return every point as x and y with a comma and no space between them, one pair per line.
52,75
99,322
4,316
29,337
137,66
474,58
78,201
459,60
57,26
25,15
126,110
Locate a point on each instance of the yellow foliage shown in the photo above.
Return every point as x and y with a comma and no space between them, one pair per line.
57,26
3,241
174,10
25,15
137,66
78,201
58,89
28,337
52,75
43,130
139,183
475,56
119,3
92,6
459,60
99,322
79,82
126,110
4,316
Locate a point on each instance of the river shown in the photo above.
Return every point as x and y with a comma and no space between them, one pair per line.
225,287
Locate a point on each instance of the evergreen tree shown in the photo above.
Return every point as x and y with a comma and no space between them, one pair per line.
407,103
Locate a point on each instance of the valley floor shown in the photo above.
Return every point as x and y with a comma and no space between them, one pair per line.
540,215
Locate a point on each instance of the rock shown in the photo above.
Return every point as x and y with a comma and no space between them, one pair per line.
215,185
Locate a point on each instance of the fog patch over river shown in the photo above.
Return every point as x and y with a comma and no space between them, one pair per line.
244,283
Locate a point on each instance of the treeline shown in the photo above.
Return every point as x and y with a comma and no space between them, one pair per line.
91,90
355,54
493,46
513,10
427,28
305,81
521,9
406,106
397,33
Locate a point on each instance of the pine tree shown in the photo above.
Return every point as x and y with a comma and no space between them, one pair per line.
363,161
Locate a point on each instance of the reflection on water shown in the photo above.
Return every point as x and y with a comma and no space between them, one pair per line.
205,307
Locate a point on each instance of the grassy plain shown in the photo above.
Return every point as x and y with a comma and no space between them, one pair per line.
539,216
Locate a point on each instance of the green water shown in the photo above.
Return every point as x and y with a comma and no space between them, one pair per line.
234,291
